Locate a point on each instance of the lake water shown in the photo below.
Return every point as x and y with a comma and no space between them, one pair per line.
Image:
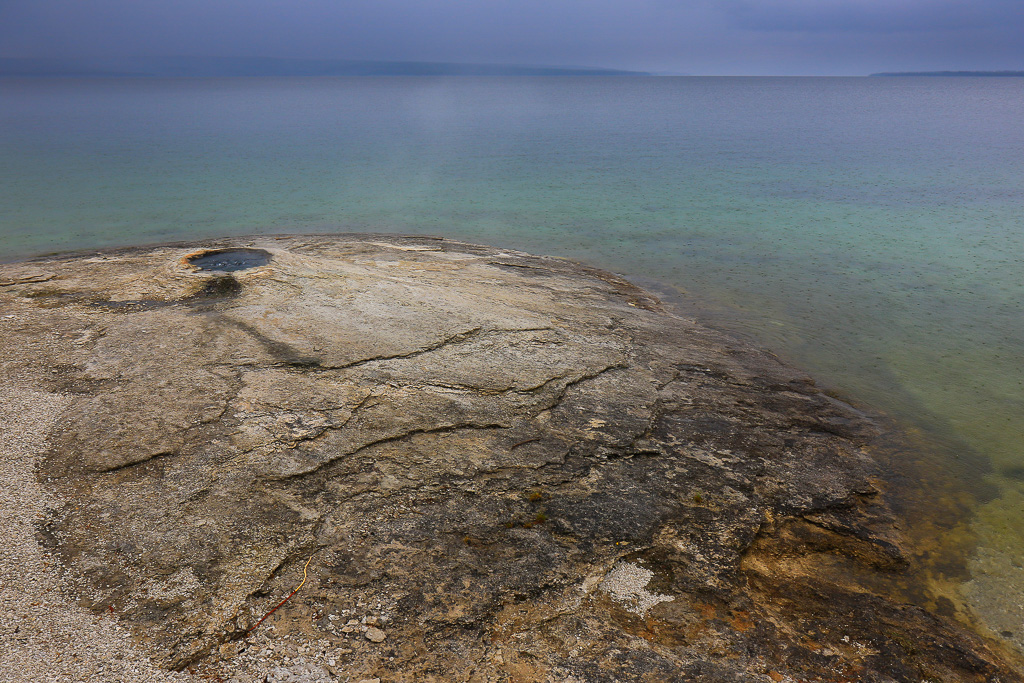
869,230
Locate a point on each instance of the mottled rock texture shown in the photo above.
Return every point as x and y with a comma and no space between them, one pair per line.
521,468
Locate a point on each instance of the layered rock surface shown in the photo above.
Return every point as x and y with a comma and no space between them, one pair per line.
520,468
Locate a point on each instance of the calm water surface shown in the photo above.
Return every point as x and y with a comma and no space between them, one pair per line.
869,230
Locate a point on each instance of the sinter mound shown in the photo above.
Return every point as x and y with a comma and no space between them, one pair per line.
504,468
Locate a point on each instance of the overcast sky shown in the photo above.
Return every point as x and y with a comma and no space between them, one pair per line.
728,37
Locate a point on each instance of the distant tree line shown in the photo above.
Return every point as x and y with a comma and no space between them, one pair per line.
975,74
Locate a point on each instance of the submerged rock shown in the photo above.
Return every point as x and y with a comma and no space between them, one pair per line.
517,468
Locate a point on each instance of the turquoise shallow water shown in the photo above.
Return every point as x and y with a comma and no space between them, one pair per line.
869,230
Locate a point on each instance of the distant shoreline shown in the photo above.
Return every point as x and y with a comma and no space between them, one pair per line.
969,74
229,67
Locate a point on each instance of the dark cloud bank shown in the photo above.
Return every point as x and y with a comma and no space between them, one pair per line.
728,37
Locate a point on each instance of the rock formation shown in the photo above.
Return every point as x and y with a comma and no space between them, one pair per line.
499,467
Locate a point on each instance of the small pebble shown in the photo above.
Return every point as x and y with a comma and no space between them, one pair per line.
375,635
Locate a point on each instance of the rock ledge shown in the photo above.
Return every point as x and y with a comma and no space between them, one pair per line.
504,468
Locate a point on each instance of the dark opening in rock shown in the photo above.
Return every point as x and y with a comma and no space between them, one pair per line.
227,260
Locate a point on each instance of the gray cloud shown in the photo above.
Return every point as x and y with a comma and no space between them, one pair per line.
698,36
873,16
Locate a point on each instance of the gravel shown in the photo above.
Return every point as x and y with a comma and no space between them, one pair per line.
44,636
